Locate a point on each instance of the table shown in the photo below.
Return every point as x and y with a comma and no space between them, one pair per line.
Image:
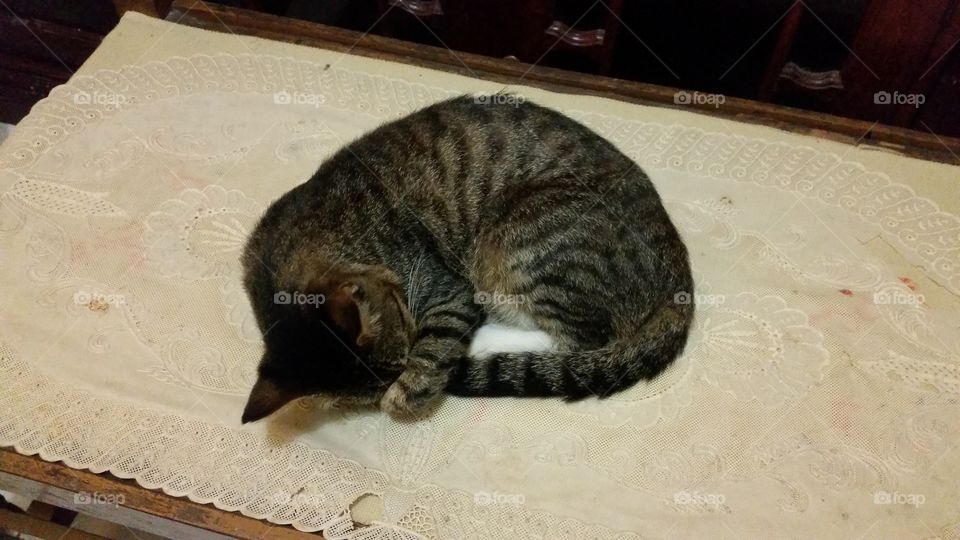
24,470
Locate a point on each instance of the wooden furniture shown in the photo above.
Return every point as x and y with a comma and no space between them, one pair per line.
902,67
39,50
527,31
894,46
180,518
42,43
142,509
214,17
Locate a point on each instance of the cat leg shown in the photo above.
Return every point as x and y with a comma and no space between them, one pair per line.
443,334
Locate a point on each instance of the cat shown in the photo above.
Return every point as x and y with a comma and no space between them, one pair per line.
369,280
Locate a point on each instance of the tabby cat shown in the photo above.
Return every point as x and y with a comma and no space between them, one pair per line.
369,280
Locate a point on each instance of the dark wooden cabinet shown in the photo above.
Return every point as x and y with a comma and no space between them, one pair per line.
576,34
893,62
889,61
900,68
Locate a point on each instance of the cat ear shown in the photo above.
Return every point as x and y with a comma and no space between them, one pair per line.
342,307
265,398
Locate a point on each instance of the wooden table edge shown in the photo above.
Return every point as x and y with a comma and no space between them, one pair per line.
45,481
908,142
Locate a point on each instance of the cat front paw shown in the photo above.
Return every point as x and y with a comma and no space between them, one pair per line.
410,396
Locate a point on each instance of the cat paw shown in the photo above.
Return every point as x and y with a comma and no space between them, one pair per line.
410,397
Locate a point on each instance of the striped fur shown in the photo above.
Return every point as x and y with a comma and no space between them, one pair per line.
461,213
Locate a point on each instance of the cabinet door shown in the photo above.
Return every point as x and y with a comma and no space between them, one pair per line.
896,58
878,60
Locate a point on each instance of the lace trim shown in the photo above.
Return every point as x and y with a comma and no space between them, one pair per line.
916,226
238,470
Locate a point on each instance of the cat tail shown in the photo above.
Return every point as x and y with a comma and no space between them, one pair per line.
579,374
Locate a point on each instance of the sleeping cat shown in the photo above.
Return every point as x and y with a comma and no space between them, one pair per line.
369,280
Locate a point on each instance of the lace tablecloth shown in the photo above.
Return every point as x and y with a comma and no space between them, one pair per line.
818,396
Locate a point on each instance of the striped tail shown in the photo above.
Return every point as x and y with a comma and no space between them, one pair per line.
579,374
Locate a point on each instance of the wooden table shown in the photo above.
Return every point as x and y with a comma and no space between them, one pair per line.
175,517
225,19
143,509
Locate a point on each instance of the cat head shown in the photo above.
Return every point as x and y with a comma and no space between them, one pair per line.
345,332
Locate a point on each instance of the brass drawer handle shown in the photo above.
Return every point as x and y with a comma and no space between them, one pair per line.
577,38
813,80
419,8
